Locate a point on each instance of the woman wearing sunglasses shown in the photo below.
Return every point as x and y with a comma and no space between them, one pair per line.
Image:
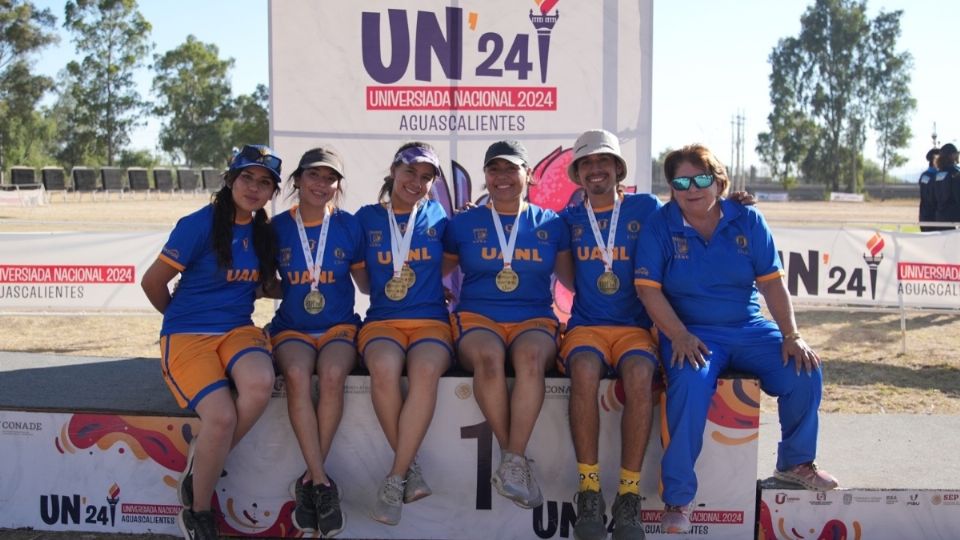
407,325
313,331
702,262
508,249
223,253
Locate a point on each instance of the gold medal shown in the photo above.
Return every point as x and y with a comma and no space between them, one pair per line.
507,280
313,302
608,282
395,289
408,276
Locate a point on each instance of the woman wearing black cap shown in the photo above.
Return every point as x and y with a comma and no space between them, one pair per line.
508,250
946,186
313,331
928,202
223,253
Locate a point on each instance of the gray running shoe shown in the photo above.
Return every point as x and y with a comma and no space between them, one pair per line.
197,525
415,487
389,501
330,518
590,509
305,512
627,524
676,519
514,480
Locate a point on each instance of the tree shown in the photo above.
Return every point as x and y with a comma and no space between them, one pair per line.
115,38
24,30
251,123
823,86
194,97
891,84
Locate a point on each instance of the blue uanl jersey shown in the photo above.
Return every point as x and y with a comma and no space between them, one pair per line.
590,306
472,240
344,251
425,300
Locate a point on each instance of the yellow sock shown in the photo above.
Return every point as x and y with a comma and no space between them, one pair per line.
589,476
629,482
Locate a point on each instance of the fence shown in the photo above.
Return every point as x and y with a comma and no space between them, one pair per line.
102,182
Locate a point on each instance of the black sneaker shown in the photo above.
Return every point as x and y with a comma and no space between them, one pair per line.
305,512
590,509
330,519
197,525
185,490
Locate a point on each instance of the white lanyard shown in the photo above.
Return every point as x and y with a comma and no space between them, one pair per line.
506,246
606,250
314,269
400,242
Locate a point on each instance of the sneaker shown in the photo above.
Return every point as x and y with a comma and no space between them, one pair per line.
389,501
808,476
185,489
676,519
590,509
414,486
197,525
627,524
305,512
514,480
330,519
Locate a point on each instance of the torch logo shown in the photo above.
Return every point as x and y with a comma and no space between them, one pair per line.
113,496
875,245
544,23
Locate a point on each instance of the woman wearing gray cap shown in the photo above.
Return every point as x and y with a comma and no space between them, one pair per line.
313,331
508,250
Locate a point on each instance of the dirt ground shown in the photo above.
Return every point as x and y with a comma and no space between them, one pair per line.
864,369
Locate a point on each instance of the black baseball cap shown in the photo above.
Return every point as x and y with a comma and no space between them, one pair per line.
510,150
948,148
932,153
321,157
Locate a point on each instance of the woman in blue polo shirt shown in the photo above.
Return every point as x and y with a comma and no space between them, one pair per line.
702,262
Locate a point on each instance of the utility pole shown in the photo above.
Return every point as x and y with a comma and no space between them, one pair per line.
934,136
737,152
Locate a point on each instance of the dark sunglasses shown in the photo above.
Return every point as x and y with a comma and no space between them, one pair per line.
682,183
253,153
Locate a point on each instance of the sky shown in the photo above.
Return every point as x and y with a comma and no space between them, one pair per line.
709,64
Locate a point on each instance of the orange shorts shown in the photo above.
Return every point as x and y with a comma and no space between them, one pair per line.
340,332
406,333
610,343
194,365
465,322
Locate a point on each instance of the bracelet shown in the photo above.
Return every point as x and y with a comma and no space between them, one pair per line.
792,336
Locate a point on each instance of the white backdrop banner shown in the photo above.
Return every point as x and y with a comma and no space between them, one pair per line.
787,514
84,271
112,473
367,76
871,267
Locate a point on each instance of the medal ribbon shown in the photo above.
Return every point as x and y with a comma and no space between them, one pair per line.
606,249
506,246
313,268
400,242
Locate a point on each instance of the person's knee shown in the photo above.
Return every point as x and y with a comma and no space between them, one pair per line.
585,370
219,421
256,384
297,377
637,375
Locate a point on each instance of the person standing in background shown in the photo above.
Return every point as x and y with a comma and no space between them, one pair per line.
946,186
928,203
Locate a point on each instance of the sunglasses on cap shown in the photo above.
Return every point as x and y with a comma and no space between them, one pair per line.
683,183
256,154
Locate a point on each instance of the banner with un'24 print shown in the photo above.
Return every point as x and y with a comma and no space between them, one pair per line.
366,76
871,267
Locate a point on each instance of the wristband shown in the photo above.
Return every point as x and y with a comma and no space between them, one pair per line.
792,336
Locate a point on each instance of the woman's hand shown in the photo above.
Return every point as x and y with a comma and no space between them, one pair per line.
794,346
743,197
688,347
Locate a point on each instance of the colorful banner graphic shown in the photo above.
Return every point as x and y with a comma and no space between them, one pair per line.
112,473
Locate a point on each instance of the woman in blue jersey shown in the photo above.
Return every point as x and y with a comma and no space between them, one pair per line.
702,262
223,253
508,250
407,324
313,331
